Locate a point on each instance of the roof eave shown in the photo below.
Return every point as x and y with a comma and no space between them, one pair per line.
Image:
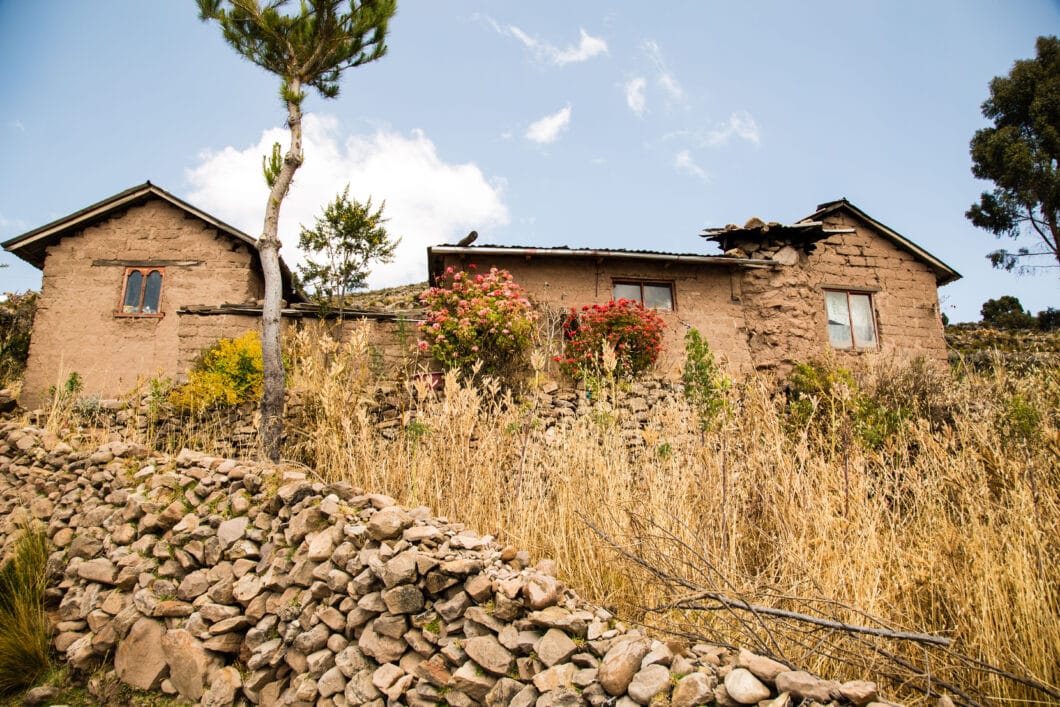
944,274
598,253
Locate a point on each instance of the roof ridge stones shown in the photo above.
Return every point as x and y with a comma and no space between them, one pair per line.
180,567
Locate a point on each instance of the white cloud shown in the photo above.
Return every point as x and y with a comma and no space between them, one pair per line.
740,124
547,129
665,78
683,162
428,200
16,125
588,46
635,98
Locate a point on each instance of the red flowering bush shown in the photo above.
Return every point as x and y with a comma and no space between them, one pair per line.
473,317
633,332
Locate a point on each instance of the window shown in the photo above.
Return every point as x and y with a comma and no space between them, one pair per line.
142,292
653,295
851,322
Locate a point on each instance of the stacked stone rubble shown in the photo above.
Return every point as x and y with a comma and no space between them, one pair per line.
227,583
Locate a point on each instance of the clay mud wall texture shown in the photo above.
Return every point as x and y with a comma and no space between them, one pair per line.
77,327
784,309
705,297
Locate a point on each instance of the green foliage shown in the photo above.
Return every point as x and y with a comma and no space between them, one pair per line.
346,238
705,384
826,397
311,47
68,392
1020,422
24,657
476,319
1049,319
16,325
631,332
1006,313
228,373
1020,154
271,165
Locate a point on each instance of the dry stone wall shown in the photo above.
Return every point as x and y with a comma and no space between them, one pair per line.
226,582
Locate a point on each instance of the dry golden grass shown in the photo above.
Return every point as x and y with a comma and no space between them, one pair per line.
952,528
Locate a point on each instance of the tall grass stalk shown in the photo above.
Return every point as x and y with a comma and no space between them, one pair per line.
951,526
24,656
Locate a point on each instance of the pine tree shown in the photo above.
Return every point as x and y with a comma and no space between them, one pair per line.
307,48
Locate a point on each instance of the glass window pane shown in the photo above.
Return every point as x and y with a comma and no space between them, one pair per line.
838,319
658,297
152,290
627,290
133,284
861,315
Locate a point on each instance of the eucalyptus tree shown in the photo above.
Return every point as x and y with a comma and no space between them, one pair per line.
1020,154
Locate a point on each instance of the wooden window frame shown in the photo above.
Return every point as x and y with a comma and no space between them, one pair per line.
853,346
641,283
144,273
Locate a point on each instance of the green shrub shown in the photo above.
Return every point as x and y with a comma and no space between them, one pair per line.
227,374
705,384
827,397
24,656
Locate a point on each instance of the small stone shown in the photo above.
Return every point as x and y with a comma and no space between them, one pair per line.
859,692
744,687
386,675
223,686
489,654
541,591
801,684
404,599
620,664
188,662
503,692
321,547
139,660
39,695
388,523
99,570
648,682
761,667
472,681
385,649
555,647
331,682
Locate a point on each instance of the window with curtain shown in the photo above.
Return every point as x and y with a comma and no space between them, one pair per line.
851,320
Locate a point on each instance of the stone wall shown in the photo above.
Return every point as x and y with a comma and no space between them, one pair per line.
226,582
76,328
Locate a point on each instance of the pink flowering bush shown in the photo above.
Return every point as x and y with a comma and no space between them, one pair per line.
634,333
477,317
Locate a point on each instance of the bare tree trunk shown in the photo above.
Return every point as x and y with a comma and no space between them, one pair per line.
272,397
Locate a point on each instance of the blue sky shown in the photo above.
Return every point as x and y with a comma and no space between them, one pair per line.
625,125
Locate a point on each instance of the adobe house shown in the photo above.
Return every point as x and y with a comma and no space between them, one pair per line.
136,286
837,280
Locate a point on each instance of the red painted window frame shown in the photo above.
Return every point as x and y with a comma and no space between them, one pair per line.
144,272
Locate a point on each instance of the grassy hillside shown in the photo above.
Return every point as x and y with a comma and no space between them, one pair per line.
812,526
898,498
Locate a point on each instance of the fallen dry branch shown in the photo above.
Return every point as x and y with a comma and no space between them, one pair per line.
670,560
726,602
